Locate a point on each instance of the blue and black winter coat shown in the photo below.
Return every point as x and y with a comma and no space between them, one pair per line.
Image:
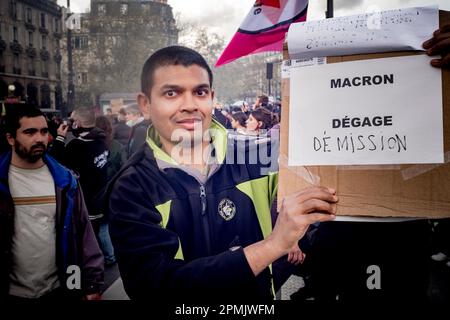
176,236
76,244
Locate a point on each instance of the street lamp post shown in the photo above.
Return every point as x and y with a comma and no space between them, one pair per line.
269,76
71,87
330,9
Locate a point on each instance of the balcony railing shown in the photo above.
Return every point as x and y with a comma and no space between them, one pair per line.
16,47
45,55
57,57
30,26
43,30
31,52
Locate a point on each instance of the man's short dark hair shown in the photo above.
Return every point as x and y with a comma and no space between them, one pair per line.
19,111
85,115
171,56
123,111
263,99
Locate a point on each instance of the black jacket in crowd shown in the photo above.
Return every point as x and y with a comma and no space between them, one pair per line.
137,136
122,132
87,155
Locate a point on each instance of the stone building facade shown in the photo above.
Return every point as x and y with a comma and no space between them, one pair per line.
114,40
30,57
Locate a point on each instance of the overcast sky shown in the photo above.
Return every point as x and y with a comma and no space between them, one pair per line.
225,16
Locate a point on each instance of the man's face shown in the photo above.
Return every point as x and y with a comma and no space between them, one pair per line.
181,101
75,122
131,116
31,139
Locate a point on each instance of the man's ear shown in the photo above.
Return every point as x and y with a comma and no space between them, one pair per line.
144,105
10,139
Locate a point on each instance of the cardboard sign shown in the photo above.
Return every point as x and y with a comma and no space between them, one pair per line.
381,111
401,190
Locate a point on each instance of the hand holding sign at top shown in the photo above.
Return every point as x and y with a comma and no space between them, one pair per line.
439,44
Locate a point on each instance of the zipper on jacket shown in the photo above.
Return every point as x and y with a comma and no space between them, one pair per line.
203,199
205,223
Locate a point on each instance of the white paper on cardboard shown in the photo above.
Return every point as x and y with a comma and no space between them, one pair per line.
380,111
385,31
287,65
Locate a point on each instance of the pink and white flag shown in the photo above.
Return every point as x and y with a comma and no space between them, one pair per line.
264,28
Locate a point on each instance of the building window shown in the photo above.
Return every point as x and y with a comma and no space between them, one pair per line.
16,63
145,7
56,44
44,68
32,92
84,42
29,15
30,39
123,8
15,34
84,78
44,42
45,96
56,25
14,9
80,42
58,70
101,9
2,64
43,20
31,70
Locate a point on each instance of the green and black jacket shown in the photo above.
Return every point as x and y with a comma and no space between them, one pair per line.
172,231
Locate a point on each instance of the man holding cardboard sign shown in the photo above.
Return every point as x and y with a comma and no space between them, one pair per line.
186,226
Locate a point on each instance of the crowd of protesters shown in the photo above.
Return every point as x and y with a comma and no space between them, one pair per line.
260,120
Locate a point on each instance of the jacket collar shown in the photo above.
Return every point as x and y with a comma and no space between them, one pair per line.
60,174
219,140
5,160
